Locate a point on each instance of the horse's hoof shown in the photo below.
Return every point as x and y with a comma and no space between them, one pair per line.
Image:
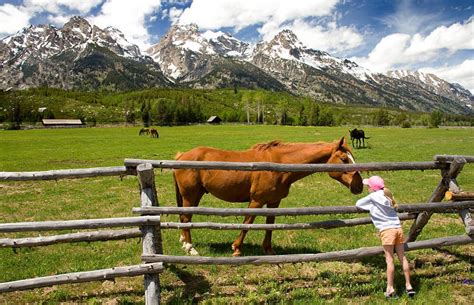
193,252
189,249
236,253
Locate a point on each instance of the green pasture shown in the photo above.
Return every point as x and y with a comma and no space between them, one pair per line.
438,275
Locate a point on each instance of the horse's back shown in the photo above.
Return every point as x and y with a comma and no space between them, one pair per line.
213,154
227,185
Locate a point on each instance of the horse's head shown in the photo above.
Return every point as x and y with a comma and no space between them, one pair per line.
341,154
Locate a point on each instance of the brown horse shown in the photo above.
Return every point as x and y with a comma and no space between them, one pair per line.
144,131
154,133
259,188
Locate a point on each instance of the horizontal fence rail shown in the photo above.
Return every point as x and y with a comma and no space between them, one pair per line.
70,238
64,173
440,162
79,224
300,258
81,277
327,224
439,207
280,167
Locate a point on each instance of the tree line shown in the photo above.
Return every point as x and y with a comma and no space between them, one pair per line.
190,106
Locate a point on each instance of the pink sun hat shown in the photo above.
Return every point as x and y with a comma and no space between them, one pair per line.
375,183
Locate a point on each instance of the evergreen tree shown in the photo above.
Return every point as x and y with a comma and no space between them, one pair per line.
435,119
145,111
302,118
326,117
314,115
382,118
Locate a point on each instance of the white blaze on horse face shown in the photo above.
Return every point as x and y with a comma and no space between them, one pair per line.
351,157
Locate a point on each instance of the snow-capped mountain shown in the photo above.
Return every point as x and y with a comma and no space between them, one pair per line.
435,84
185,54
208,60
327,78
79,55
83,56
286,45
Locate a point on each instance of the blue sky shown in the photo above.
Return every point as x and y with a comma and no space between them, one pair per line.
434,36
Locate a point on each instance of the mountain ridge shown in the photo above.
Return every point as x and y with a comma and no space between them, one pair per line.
82,56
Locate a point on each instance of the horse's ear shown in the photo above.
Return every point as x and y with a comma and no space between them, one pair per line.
341,142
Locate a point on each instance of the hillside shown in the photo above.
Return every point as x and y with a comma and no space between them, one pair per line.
186,106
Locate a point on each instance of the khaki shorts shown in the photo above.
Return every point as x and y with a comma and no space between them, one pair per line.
392,237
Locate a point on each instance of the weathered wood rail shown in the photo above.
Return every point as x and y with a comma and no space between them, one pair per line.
150,225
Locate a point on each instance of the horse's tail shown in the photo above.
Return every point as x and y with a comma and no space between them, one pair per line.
179,198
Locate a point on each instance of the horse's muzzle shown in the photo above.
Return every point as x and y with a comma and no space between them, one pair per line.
356,184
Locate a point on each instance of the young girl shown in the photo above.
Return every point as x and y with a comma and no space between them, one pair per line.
380,203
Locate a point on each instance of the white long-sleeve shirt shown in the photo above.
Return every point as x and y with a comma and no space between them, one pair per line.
381,211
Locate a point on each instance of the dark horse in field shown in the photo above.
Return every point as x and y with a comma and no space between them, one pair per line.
358,135
144,131
259,188
154,133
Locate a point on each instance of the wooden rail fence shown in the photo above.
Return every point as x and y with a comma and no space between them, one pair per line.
150,225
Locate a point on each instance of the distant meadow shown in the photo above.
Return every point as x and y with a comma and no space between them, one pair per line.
438,274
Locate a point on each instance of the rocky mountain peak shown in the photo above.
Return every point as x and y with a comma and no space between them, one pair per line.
77,55
286,39
283,45
186,53
433,83
79,24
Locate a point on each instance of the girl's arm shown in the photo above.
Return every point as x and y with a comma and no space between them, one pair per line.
364,203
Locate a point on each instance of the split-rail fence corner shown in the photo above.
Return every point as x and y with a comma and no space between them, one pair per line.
148,225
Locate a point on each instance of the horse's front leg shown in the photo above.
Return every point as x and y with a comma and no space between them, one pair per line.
267,242
237,244
185,236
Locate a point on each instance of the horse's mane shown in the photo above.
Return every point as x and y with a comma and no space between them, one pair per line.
265,146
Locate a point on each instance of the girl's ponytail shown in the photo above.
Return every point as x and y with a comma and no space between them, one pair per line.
389,195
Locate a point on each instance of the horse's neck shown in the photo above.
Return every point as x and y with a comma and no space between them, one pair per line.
306,154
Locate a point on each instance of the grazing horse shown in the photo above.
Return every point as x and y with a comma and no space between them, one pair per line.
154,133
144,131
358,135
259,188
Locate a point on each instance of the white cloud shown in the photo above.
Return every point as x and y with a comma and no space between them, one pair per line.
273,16
56,6
330,38
12,19
59,20
407,19
129,17
462,73
210,14
174,14
455,37
404,49
386,54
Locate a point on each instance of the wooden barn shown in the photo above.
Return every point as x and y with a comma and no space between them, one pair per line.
214,120
62,123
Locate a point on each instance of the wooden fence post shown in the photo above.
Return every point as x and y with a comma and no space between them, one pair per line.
456,195
152,242
448,176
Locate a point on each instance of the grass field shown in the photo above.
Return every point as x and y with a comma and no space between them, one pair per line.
438,275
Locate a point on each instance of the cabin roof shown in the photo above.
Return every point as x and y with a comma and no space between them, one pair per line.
214,118
62,122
